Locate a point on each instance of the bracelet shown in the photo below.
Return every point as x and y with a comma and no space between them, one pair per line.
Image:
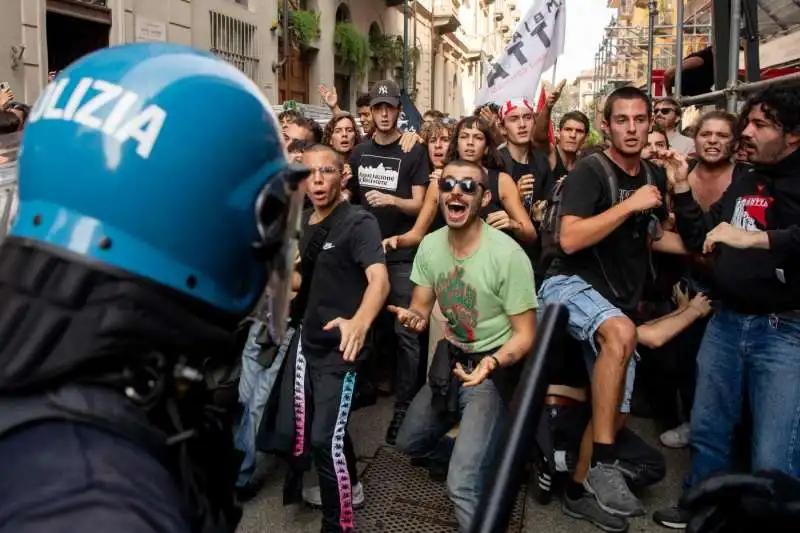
496,362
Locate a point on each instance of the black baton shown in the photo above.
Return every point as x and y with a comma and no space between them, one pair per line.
497,501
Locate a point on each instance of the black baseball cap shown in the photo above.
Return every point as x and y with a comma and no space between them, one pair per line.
384,92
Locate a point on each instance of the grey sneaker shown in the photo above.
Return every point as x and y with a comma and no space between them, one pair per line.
587,508
607,483
312,496
677,437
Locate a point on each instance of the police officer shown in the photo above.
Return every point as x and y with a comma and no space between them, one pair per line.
147,229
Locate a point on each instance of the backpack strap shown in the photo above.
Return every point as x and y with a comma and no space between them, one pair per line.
315,240
648,172
611,177
508,161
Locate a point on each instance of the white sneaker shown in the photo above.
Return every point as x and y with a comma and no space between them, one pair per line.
677,437
312,496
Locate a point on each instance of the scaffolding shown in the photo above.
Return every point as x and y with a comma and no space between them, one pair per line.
629,52
721,23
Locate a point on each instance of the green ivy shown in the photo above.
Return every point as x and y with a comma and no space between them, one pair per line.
594,138
352,47
303,27
387,50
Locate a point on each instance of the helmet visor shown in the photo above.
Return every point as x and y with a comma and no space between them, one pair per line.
279,211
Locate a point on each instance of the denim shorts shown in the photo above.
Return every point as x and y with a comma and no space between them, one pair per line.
587,310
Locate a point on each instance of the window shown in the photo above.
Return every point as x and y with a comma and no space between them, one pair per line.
236,42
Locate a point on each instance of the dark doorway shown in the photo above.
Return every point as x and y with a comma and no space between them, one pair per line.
70,38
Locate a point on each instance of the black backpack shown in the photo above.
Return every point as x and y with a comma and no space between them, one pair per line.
550,227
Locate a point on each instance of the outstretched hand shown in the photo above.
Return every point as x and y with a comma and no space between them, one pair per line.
409,318
478,374
354,332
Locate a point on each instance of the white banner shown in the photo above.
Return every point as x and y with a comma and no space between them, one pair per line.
536,43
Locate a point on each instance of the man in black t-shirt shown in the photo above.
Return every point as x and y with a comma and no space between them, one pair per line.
528,166
390,183
698,73
573,129
344,290
599,277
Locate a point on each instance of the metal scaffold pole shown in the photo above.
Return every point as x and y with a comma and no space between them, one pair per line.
405,46
733,54
653,12
679,50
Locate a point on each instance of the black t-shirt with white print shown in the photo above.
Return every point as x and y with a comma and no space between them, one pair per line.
616,267
338,283
387,169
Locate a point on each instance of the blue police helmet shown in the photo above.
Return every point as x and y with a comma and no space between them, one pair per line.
152,158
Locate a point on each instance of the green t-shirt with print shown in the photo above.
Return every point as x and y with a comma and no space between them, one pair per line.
478,293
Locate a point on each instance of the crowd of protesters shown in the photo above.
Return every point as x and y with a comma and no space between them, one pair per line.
425,256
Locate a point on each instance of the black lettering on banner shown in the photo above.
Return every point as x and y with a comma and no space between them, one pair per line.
552,4
515,49
496,71
541,25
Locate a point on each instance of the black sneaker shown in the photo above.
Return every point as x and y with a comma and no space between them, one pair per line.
394,427
675,517
438,472
587,508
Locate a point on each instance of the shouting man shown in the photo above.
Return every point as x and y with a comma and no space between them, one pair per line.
484,285
599,275
344,284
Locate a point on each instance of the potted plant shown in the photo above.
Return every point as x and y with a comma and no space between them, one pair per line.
387,50
304,28
351,47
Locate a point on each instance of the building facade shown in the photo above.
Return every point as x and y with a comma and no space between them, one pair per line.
451,41
585,85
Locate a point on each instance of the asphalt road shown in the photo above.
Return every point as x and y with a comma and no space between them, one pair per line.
266,514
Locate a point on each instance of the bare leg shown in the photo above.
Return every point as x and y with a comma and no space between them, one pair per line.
616,339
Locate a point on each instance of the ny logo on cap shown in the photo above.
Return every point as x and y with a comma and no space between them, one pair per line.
383,90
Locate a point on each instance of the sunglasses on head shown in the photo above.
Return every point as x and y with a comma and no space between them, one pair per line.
467,185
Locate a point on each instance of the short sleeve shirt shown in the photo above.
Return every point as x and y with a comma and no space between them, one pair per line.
478,293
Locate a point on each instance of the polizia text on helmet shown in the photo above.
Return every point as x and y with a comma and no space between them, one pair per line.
125,120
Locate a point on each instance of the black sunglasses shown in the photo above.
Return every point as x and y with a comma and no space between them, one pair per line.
467,185
665,110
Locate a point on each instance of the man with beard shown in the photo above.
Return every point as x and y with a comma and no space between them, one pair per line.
573,129
390,183
751,342
346,288
599,275
667,114
484,285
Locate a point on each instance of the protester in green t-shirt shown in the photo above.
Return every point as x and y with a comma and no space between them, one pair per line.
484,283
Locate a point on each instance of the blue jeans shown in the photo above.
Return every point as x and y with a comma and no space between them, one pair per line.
483,418
255,386
759,355
587,311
